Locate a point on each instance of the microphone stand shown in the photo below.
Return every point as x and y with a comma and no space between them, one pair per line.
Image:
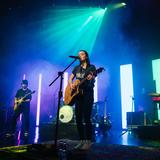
60,75
127,130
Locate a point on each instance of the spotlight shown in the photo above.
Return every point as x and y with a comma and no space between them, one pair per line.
123,4
112,6
116,5
90,17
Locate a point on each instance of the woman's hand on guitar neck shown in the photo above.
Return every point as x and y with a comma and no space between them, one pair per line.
90,76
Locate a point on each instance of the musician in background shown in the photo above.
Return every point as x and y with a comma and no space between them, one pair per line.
85,98
23,107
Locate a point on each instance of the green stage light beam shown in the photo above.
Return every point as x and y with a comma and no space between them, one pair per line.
72,28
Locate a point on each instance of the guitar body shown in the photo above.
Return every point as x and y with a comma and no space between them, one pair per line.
70,95
15,106
105,124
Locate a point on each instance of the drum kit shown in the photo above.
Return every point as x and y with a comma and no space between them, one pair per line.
99,115
66,114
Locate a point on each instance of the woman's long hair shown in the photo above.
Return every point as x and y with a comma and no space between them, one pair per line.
87,60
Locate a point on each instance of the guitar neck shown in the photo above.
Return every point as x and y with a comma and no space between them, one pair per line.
105,109
28,94
99,70
82,81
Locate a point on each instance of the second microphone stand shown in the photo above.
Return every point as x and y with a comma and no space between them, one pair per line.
127,130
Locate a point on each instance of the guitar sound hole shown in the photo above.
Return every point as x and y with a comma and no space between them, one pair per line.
72,93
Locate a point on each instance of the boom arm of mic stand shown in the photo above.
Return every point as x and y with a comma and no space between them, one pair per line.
62,72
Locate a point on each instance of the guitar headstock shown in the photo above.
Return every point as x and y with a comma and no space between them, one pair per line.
33,92
99,70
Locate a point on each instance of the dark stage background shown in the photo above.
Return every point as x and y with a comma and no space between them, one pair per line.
30,43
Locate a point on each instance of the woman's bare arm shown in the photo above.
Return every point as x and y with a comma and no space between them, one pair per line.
72,76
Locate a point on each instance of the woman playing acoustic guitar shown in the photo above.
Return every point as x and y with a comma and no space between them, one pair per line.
84,100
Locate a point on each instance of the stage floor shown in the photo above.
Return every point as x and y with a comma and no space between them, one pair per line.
113,137
112,146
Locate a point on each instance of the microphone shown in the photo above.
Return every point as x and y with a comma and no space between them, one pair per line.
75,57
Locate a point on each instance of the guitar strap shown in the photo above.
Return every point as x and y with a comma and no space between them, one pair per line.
88,70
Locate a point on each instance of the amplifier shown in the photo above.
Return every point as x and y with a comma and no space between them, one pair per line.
136,119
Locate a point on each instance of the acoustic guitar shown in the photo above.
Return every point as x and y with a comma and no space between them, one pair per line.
19,101
70,94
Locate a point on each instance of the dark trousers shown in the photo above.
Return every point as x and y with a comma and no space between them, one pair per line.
83,109
25,110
